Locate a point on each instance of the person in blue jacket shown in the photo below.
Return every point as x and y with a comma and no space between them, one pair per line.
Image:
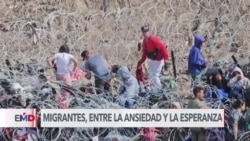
196,61
129,88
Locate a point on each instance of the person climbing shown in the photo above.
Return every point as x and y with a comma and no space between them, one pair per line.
156,51
198,134
97,64
129,88
196,61
238,84
63,61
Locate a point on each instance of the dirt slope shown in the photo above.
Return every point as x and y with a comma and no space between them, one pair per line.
37,28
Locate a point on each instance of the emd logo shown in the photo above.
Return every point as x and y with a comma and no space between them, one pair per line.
24,117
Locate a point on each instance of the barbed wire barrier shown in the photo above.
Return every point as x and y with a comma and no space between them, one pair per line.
31,31
16,97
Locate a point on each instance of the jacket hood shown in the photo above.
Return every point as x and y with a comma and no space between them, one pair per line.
124,73
237,69
198,40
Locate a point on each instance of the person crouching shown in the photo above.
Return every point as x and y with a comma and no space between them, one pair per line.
129,88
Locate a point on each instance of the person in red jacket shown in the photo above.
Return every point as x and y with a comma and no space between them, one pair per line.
156,51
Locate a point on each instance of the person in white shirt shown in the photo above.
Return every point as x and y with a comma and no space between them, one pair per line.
63,61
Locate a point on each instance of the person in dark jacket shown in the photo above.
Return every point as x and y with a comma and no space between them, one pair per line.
221,84
154,49
129,87
196,61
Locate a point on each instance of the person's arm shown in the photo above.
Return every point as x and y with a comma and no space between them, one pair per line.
232,81
247,83
83,68
144,55
196,58
121,89
88,75
73,59
225,86
50,60
161,47
236,118
108,65
235,131
87,71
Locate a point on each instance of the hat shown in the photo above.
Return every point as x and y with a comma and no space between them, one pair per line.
145,28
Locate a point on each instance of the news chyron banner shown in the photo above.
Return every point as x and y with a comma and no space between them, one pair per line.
18,118
209,118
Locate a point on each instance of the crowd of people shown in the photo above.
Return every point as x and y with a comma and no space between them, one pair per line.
156,52
97,66
235,88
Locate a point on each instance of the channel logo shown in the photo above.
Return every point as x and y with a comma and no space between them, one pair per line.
29,118
24,117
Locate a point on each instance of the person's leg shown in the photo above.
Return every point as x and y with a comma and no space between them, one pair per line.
154,73
67,79
64,100
195,79
99,85
107,85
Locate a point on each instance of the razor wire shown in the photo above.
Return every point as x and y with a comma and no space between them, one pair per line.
37,28
94,101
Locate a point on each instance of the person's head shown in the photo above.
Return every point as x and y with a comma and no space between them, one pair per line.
240,105
64,49
218,76
145,30
236,73
85,55
199,92
115,68
199,40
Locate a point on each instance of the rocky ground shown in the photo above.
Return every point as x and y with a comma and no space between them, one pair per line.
35,29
